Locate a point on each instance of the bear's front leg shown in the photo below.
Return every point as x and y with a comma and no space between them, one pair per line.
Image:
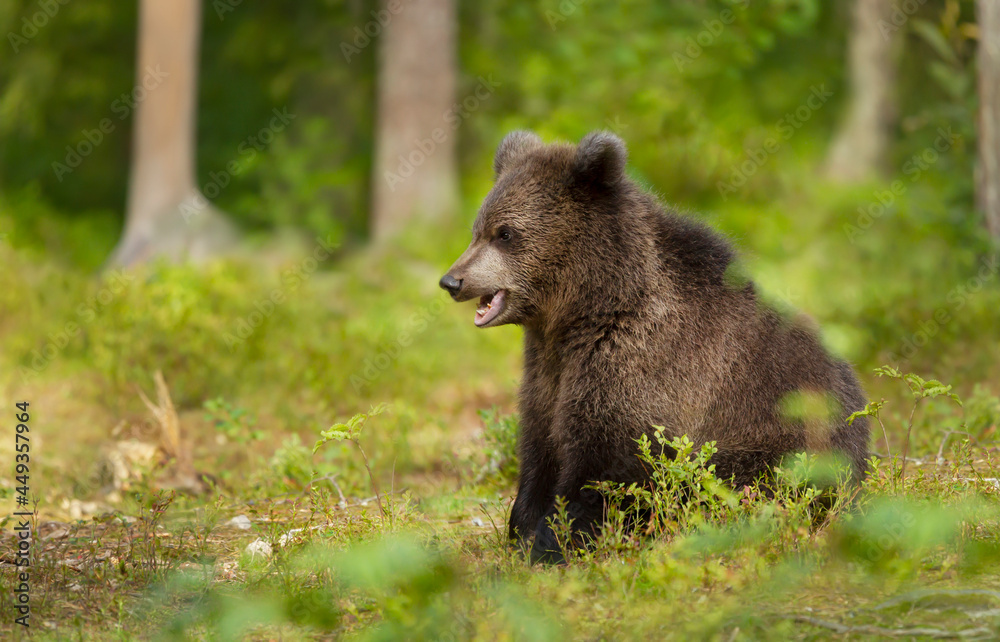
536,486
585,513
590,423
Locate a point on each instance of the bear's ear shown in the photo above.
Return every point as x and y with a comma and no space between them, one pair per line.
600,159
513,146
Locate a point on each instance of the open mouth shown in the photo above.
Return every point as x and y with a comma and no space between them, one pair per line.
490,307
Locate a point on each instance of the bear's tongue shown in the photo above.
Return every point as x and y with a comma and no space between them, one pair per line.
489,307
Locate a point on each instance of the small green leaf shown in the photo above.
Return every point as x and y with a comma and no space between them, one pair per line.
870,410
888,371
932,35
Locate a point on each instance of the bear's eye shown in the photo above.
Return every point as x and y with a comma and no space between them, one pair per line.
504,235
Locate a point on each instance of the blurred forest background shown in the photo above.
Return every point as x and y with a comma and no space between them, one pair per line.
323,162
695,98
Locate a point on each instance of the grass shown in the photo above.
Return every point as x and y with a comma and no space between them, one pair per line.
393,527
897,563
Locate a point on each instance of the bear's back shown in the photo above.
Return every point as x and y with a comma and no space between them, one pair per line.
726,361
696,256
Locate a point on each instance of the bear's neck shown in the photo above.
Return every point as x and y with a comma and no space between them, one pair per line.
596,296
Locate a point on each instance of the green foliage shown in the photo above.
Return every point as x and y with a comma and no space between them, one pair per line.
398,586
920,390
78,69
234,423
233,615
302,177
900,537
654,69
683,492
214,332
351,431
982,413
684,499
414,588
169,318
293,464
871,409
944,37
500,434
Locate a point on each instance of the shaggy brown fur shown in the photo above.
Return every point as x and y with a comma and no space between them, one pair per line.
632,319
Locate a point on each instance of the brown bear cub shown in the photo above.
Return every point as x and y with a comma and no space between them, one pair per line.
632,320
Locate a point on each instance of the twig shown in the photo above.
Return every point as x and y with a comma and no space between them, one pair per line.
365,500
906,444
392,491
936,597
878,630
947,436
165,414
885,434
371,477
333,480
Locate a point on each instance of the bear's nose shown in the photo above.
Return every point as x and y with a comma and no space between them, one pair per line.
450,283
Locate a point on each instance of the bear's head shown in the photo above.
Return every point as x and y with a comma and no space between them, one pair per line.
549,206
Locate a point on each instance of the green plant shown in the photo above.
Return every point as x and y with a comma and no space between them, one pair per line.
982,413
234,423
351,431
920,390
146,554
500,434
684,498
414,589
292,463
562,528
682,491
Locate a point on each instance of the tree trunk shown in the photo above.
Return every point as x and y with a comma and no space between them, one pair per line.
166,215
988,169
859,148
414,173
